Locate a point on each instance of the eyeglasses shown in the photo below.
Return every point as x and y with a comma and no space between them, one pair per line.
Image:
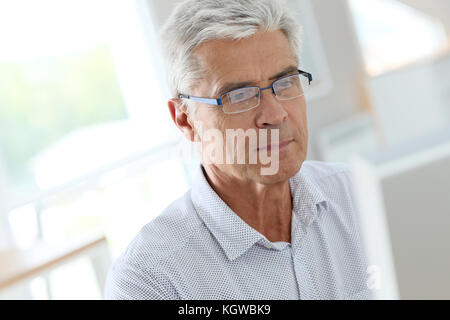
248,98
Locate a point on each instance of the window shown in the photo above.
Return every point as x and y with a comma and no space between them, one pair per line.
85,135
66,107
393,34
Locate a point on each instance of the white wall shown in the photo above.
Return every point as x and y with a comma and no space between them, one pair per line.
413,101
344,61
402,195
442,72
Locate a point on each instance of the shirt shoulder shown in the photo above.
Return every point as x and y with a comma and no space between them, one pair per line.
333,179
136,273
167,233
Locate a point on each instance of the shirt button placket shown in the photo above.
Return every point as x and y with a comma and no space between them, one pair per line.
304,280
305,283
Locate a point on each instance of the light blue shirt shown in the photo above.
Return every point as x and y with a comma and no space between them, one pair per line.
198,248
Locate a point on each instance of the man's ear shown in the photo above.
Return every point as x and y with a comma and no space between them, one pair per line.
180,117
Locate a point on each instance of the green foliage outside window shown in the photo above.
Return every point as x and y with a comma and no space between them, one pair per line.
45,99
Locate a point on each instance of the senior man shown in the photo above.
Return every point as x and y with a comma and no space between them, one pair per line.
242,233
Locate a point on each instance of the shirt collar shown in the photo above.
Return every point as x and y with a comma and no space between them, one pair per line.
306,197
234,235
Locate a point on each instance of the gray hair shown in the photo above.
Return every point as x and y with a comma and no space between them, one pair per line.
194,22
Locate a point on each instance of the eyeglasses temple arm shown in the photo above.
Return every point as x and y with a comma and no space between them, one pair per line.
216,102
309,75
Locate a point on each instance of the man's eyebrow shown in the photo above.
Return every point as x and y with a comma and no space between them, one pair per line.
286,71
231,86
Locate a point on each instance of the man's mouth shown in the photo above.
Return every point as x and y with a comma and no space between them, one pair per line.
280,146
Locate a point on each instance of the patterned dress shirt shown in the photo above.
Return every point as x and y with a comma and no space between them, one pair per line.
198,248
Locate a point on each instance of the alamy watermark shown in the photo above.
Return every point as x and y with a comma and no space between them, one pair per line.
373,281
238,146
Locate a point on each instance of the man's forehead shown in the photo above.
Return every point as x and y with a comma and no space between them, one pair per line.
245,61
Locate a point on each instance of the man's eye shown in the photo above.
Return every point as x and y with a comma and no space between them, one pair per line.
241,96
285,84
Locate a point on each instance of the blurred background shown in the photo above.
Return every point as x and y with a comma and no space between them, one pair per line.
88,153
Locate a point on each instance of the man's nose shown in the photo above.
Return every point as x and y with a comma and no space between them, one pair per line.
271,111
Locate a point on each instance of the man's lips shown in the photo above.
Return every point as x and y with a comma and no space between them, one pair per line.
282,145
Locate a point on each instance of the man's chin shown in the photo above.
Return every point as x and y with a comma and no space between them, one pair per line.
272,174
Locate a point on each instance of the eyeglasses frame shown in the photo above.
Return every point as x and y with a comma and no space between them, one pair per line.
219,101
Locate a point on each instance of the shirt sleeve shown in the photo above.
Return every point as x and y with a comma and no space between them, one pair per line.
126,281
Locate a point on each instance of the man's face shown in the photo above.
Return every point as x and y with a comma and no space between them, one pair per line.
256,61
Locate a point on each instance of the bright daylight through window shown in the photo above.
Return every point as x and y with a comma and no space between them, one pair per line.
84,132
389,30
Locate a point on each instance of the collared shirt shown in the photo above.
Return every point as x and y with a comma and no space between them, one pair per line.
198,248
